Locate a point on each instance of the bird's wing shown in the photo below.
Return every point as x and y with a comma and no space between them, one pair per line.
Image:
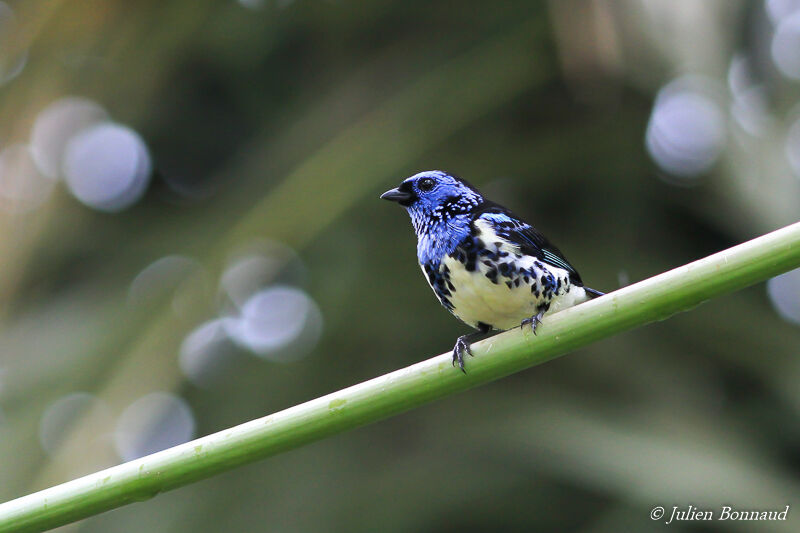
521,234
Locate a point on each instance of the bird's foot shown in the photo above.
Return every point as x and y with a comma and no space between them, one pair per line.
534,321
462,346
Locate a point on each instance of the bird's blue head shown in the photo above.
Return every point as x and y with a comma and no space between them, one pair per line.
439,205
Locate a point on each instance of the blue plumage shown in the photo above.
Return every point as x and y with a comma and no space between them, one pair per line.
487,266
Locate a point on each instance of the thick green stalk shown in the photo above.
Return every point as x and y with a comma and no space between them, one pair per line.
653,299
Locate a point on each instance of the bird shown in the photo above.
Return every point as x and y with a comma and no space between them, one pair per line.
486,265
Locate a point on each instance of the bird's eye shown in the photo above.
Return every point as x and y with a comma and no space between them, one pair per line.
426,184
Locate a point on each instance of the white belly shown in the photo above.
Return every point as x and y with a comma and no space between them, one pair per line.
506,303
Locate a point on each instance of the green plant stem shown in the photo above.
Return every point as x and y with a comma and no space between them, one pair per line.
653,299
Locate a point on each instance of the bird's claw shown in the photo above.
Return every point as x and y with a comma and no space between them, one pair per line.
458,352
534,321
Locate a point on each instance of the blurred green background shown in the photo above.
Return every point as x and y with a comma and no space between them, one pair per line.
190,237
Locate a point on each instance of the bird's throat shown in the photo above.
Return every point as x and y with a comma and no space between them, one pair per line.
437,237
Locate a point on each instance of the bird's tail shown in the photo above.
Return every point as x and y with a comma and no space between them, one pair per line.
591,293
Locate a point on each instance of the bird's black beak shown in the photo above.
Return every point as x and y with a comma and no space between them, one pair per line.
396,195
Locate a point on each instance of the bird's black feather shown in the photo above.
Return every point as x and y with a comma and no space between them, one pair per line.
529,240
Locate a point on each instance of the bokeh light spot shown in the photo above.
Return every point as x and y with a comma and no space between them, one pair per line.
784,293
207,353
179,277
686,132
61,415
778,10
56,124
786,46
749,104
279,323
107,167
152,423
260,264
